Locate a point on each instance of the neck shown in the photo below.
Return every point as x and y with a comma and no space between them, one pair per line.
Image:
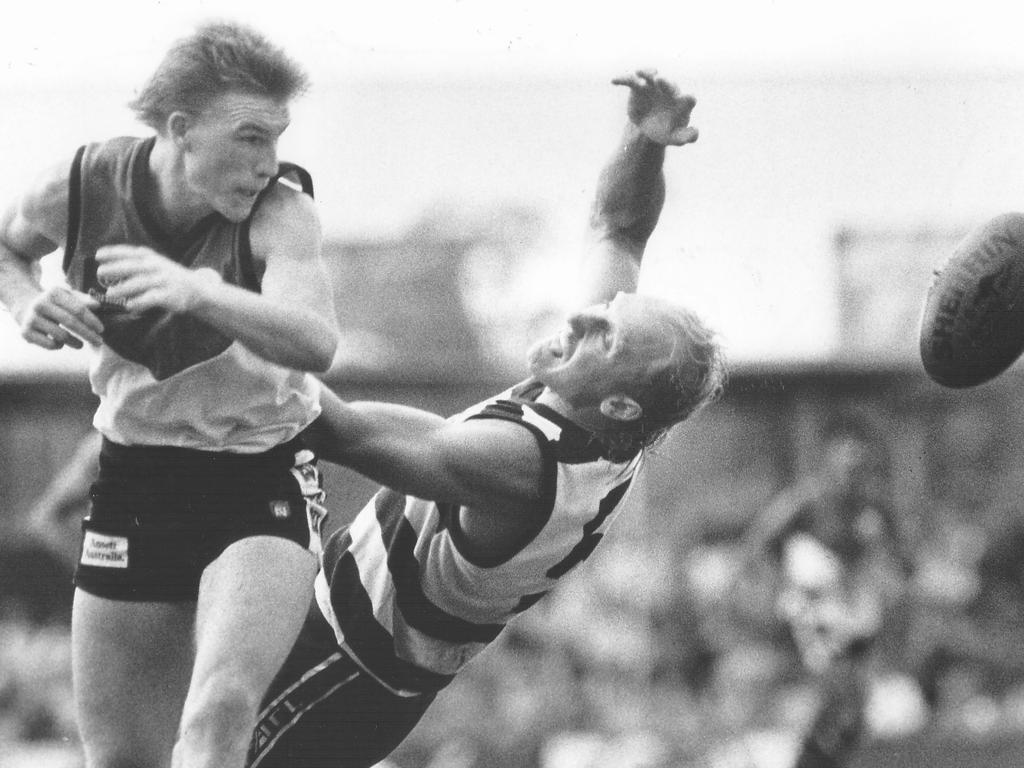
617,444
589,418
174,205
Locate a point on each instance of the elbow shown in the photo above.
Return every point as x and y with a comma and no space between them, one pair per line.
316,350
321,364
313,363
326,348
320,356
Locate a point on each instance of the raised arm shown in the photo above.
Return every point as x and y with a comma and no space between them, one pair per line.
494,466
33,226
631,188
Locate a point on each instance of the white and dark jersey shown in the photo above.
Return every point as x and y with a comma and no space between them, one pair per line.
406,602
163,378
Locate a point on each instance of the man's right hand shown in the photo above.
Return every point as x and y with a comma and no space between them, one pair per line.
658,109
60,317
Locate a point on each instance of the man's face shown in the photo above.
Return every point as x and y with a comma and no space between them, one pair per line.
605,350
231,151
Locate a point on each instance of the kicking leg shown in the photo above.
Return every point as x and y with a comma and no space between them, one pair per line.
252,602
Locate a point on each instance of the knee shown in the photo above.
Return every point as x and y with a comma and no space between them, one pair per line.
220,710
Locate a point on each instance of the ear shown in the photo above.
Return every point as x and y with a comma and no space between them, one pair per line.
178,124
621,408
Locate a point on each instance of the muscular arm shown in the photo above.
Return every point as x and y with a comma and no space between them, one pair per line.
290,323
631,187
31,227
489,465
495,466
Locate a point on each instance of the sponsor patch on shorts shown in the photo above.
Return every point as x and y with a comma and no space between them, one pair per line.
104,551
280,509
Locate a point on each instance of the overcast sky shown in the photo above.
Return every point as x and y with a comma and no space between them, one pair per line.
48,47
47,39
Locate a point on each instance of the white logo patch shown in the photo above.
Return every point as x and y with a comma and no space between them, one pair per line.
280,509
105,551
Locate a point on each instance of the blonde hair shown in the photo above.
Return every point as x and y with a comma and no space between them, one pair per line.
218,58
674,392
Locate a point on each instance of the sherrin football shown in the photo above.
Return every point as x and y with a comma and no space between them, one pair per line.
972,326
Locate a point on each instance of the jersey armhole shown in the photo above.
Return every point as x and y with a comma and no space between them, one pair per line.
294,176
549,481
74,208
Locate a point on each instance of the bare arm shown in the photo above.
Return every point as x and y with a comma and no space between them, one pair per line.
290,323
631,188
69,491
30,228
494,466
485,464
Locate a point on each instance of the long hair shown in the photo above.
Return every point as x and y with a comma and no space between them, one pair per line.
218,58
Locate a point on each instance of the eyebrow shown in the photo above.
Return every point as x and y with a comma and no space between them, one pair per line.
249,125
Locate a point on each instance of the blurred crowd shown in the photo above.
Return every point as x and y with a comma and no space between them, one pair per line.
801,638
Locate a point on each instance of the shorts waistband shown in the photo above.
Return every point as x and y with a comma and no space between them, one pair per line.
156,457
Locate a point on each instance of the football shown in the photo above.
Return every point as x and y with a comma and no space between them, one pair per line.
972,325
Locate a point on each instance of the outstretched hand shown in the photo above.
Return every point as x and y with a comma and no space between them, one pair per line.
658,109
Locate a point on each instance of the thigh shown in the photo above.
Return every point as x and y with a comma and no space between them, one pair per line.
131,663
252,602
323,711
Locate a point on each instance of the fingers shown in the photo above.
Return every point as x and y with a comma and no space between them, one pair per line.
136,293
658,89
60,317
139,279
118,262
639,79
685,135
46,341
113,253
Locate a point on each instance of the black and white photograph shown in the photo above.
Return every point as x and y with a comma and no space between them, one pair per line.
306,457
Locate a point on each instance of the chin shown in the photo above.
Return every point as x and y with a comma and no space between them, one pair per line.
236,212
540,363
534,356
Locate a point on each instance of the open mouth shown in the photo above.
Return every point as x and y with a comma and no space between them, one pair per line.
563,345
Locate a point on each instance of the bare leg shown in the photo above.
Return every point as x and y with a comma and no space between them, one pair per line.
131,664
252,603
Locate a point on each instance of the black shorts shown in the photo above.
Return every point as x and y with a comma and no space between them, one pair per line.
160,515
324,711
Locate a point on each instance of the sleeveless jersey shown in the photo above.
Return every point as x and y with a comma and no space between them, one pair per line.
411,608
166,379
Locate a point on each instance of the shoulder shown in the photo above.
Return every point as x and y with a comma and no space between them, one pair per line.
43,206
500,445
284,216
99,170
503,464
119,148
